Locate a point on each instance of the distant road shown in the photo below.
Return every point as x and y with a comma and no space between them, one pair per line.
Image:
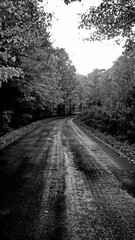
58,183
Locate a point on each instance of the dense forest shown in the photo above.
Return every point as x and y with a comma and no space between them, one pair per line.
108,98
36,80
110,94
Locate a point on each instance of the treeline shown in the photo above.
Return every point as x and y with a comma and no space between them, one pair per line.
36,80
108,98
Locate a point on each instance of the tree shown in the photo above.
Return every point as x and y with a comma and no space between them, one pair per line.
113,18
38,79
67,81
111,99
23,28
22,25
82,92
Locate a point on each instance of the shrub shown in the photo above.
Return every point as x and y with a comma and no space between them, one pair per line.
5,121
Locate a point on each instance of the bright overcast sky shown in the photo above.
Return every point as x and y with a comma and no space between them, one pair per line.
86,56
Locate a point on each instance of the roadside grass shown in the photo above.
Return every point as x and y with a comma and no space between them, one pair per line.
123,148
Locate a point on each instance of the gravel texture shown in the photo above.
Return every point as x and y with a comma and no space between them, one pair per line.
14,135
57,182
124,149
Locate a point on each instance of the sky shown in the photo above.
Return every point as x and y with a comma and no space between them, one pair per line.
85,55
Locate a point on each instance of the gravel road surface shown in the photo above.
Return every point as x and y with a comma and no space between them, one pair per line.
58,183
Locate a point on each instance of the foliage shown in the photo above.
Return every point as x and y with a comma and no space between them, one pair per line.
111,103
111,19
69,1
5,121
55,73
36,79
22,25
67,80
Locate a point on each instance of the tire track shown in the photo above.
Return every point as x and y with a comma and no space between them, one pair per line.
115,208
62,187
21,202
81,211
52,216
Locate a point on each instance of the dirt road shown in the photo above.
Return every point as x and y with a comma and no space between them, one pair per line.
57,183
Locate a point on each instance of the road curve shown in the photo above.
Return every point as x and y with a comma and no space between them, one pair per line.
58,183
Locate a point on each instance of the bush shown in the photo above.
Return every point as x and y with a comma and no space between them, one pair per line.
93,117
118,124
21,120
5,121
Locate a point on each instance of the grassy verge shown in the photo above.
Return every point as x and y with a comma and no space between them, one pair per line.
124,149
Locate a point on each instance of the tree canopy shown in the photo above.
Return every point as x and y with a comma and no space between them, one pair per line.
110,101
23,25
111,19
36,79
